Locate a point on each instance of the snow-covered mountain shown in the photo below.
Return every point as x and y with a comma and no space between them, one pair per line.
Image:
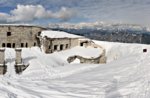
126,33
126,75
98,25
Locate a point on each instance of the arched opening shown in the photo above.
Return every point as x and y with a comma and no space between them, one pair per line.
81,44
55,47
9,45
66,46
61,47
39,33
3,45
22,45
13,45
34,43
49,47
26,44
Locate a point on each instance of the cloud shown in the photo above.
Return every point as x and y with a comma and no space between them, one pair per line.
65,13
3,16
26,13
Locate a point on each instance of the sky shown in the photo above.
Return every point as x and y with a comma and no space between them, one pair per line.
75,11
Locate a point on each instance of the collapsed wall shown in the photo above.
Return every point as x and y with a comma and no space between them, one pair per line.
98,60
20,36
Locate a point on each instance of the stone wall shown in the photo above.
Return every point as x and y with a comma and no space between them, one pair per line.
3,69
2,56
57,44
98,60
18,56
16,36
74,42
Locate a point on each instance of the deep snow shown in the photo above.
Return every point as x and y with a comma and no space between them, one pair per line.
126,75
58,34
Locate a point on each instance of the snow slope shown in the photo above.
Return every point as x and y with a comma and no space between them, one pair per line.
126,75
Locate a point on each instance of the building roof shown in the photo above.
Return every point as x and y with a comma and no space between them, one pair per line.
58,34
23,25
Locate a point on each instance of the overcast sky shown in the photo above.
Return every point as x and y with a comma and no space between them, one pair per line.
75,11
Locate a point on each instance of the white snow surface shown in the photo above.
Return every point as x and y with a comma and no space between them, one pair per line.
58,34
126,75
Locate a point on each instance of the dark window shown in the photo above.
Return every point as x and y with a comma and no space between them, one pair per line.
39,33
13,45
26,44
66,46
55,47
22,45
35,44
81,44
144,50
61,47
3,45
49,47
9,45
8,33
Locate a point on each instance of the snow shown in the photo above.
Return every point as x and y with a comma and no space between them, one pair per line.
126,75
58,34
88,52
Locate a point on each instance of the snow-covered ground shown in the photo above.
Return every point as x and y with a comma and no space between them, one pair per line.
126,75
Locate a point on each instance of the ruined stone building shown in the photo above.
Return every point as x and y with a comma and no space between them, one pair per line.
19,36
52,41
24,36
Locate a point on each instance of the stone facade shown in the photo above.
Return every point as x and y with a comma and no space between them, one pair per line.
3,67
2,56
51,45
18,56
19,36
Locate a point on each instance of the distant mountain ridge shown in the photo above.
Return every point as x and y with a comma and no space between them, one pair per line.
127,33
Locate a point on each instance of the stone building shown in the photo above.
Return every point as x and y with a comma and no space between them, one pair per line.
52,41
24,36
19,36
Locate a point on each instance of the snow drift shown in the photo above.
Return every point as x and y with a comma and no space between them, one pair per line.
126,75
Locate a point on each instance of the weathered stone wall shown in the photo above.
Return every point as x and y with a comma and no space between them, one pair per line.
2,56
18,56
74,42
19,36
3,69
57,44
103,57
97,60
100,59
